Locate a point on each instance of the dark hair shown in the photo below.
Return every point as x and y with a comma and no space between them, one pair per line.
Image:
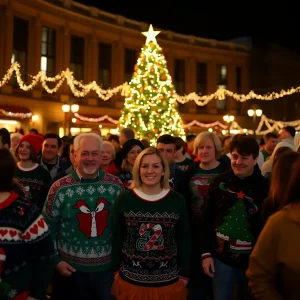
4,133
270,135
33,131
32,155
145,143
262,142
293,192
190,138
71,139
278,153
7,170
225,138
114,137
245,145
166,139
128,133
280,178
53,136
290,129
180,144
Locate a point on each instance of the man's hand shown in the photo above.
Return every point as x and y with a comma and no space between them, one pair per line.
208,267
65,269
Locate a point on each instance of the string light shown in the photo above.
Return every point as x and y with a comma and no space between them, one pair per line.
274,126
204,125
96,120
16,115
80,89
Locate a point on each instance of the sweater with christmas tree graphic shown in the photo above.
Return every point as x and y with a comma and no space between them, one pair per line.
78,212
151,239
232,219
33,180
26,250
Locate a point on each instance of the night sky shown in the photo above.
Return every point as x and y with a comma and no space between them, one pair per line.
272,23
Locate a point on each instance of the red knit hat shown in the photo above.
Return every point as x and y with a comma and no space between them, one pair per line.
34,140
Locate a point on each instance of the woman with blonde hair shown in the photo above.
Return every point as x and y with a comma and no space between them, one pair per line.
108,154
151,242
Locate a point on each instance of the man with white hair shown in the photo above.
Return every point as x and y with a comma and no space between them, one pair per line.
78,212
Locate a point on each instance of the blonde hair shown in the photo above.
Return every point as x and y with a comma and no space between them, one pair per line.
80,136
204,136
113,150
137,183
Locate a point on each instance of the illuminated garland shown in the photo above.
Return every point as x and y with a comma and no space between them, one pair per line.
67,75
274,125
96,120
204,125
16,115
81,90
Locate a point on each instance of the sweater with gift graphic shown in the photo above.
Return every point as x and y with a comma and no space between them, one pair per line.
34,181
232,220
151,240
78,212
26,250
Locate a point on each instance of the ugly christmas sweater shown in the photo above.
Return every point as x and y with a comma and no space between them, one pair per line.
78,212
232,220
151,240
26,250
33,180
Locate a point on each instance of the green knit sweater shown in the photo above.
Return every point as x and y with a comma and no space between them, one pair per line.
78,212
151,239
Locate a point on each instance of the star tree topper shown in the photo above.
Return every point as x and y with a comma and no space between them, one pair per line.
151,34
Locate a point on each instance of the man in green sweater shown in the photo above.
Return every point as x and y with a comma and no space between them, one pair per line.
78,211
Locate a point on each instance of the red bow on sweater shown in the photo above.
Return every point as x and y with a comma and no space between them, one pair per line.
92,223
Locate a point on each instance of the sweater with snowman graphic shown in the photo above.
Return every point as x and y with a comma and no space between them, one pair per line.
78,212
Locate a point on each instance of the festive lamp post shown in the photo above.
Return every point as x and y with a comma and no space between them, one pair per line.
66,108
228,119
253,113
150,107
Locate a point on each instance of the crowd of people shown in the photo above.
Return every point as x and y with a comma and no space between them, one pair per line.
91,217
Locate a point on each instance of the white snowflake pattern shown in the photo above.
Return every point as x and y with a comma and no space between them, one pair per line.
90,190
118,193
61,197
70,193
111,190
12,293
101,189
68,205
80,191
57,204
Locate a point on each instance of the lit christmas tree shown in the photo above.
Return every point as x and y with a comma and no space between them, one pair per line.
150,107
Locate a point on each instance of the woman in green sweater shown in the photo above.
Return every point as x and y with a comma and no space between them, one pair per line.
151,241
